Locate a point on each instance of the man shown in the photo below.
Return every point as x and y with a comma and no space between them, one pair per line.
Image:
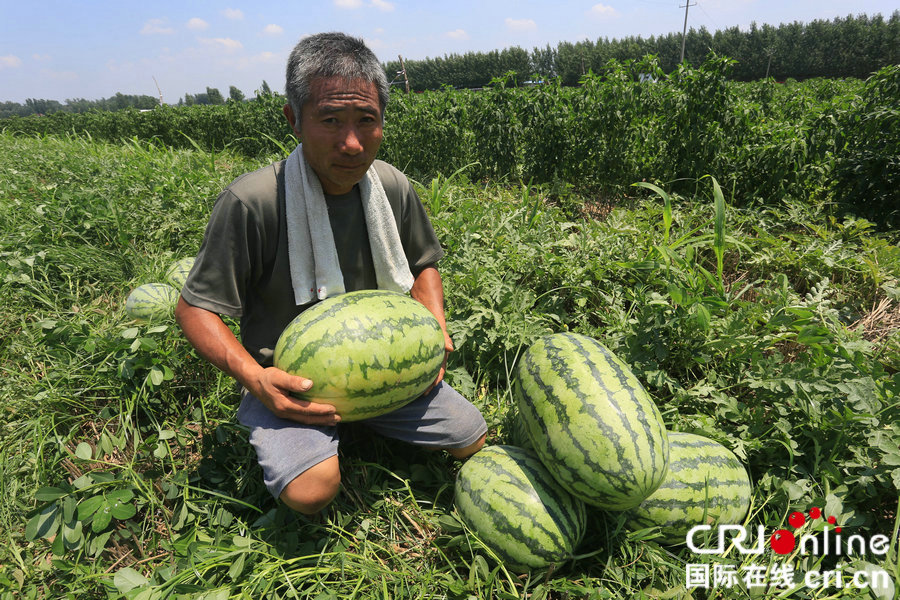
267,245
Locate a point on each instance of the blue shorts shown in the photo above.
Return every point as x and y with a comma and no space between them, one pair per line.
440,419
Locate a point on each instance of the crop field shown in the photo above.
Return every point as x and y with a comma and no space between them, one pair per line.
771,327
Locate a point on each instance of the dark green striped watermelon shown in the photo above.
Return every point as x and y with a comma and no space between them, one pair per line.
178,271
151,301
367,352
590,421
513,504
706,484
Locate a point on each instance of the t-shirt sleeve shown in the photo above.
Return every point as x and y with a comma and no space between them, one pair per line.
223,267
423,247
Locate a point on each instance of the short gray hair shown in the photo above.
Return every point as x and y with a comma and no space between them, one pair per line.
332,54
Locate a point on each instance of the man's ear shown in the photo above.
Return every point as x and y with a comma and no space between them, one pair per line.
288,111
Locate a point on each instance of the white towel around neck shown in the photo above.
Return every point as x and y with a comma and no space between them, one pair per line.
315,269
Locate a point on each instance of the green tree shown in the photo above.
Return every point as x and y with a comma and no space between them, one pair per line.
235,94
214,96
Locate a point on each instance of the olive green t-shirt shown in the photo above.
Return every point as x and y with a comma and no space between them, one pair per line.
242,268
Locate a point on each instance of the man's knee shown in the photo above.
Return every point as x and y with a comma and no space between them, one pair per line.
315,488
469,450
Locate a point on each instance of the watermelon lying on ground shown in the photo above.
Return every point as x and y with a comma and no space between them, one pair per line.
510,500
178,272
706,484
151,301
590,421
367,352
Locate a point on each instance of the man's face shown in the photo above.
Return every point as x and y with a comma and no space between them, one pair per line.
341,131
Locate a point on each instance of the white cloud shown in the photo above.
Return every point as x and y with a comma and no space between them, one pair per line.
273,30
235,14
10,61
351,4
457,34
602,10
225,43
197,24
157,27
521,24
383,5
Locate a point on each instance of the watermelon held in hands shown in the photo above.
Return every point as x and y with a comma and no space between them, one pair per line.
509,499
706,484
590,421
178,272
151,301
367,352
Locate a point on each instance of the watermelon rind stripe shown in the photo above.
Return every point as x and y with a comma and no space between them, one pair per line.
151,301
705,484
367,352
590,419
506,496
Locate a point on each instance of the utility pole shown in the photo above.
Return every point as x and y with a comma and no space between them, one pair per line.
686,6
403,72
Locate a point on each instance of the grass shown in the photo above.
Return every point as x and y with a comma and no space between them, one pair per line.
123,473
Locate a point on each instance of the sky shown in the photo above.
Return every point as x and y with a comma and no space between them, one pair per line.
92,49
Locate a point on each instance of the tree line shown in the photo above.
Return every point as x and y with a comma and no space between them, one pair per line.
855,46
36,106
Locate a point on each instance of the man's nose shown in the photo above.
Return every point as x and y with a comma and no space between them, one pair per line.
351,142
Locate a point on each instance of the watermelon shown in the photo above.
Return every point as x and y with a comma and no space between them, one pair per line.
151,301
590,421
177,273
509,499
706,484
367,352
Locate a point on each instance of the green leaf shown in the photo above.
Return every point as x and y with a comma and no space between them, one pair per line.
49,494
90,506
43,524
102,518
120,504
156,375
73,535
237,567
84,451
128,579
130,333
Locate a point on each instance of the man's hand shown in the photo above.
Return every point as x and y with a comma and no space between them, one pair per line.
216,343
448,348
274,388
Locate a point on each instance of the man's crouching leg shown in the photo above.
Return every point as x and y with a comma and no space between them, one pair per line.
314,489
463,453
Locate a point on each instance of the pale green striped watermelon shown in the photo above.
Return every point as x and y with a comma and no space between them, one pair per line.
177,273
367,352
706,484
590,421
151,301
509,499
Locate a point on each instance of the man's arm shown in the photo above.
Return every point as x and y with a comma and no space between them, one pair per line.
215,342
429,290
